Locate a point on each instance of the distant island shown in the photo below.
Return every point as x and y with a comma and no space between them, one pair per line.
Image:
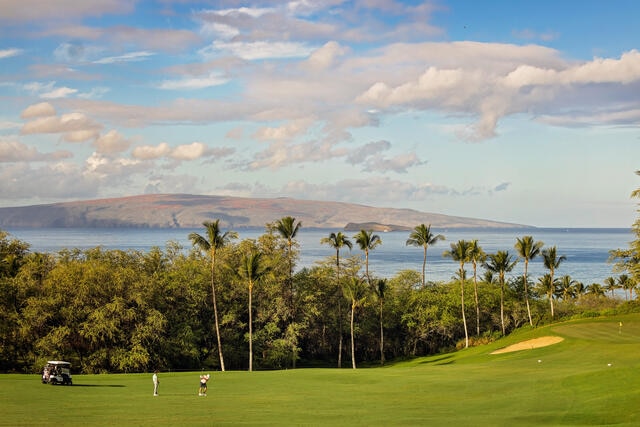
190,211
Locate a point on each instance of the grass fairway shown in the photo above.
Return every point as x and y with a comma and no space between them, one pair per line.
569,383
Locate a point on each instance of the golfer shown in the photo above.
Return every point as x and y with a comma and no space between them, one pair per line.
156,382
202,391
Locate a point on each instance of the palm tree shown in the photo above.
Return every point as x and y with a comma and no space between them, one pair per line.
338,241
253,270
500,263
528,249
210,244
625,282
356,291
595,289
287,228
367,241
551,260
380,289
460,252
610,285
476,255
569,288
548,285
422,236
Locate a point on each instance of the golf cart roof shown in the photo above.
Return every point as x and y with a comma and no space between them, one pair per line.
58,362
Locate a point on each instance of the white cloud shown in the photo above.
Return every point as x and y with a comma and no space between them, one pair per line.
128,57
288,131
61,92
71,122
112,142
8,53
252,51
43,109
151,152
14,151
191,151
194,83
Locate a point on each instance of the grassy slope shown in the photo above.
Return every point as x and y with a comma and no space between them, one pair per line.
571,385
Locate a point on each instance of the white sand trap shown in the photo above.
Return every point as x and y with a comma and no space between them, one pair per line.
529,344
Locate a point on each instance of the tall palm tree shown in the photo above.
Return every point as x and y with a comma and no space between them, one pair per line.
367,241
213,240
548,285
338,241
528,249
355,290
287,228
551,260
476,255
500,263
422,236
253,270
460,252
380,289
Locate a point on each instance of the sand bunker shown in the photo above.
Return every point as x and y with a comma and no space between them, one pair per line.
530,344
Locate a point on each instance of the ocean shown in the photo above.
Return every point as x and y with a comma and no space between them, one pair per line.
586,250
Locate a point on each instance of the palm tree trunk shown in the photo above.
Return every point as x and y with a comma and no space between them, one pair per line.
381,337
215,313
424,267
339,311
475,294
526,291
353,341
502,305
464,318
250,329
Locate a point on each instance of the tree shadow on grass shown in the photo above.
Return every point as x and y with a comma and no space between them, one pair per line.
442,360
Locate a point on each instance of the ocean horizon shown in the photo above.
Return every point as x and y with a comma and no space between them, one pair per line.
586,249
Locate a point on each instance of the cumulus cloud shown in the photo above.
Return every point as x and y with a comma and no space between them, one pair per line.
14,151
150,152
191,151
78,124
111,142
43,109
286,132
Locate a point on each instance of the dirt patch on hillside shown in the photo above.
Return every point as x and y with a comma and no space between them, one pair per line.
530,344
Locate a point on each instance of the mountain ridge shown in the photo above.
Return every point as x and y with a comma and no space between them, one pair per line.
190,211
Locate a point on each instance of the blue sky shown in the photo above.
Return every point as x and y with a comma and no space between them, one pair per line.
526,112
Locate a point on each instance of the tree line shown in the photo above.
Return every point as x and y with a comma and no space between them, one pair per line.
229,304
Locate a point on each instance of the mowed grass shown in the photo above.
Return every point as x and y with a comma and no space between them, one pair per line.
569,383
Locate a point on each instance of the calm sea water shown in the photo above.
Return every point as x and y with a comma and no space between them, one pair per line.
586,250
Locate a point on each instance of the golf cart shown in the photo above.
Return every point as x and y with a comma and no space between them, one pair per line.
57,372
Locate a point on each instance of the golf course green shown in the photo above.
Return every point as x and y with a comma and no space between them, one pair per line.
591,377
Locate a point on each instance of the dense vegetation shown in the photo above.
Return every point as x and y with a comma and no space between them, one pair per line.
224,304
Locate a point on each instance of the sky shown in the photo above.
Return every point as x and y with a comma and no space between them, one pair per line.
524,112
